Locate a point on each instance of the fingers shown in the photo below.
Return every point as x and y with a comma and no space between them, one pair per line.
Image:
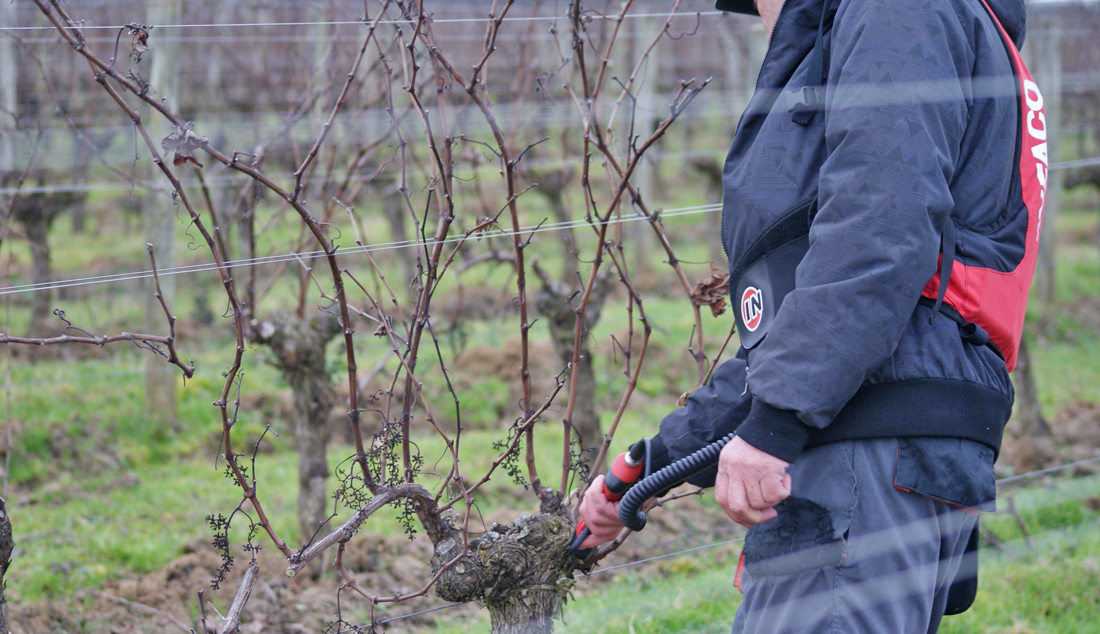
600,515
736,502
732,496
767,514
754,494
738,508
774,488
594,540
750,483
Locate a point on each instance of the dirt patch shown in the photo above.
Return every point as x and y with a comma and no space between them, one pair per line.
1067,320
503,363
469,302
167,600
1074,436
1077,429
1073,236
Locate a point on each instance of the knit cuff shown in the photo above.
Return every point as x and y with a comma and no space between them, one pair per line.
778,432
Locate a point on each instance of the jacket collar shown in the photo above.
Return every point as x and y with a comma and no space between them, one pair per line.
747,7
1011,13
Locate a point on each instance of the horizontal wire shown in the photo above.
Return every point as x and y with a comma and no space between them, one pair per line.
1040,472
332,36
540,18
286,257
83,377
596,572
275,259
408,244
620,566
407,616
665,556
1061,165
228,182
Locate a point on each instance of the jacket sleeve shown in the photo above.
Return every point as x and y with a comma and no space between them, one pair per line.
711,412
896,110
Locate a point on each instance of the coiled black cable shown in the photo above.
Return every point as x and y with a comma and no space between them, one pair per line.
630,508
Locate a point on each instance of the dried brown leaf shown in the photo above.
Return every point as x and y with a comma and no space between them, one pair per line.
183,142
712,292
180,159
139,42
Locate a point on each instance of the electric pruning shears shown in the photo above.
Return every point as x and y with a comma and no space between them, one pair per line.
629,480
627,469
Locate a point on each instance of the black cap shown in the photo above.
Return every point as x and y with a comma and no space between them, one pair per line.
748,7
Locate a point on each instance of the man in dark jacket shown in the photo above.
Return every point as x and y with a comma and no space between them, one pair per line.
889,146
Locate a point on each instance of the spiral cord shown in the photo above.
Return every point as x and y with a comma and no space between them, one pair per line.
630,509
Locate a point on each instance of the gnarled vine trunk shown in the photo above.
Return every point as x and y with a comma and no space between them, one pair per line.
299,347
553,301
521,572
36,212
7,544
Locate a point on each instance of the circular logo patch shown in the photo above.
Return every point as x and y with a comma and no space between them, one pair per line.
752,308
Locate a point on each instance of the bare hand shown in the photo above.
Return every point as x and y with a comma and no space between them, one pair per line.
600,515
750,482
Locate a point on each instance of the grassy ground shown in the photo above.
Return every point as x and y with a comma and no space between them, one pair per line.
89,530
100,491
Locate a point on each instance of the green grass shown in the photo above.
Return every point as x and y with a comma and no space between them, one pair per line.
79,531
693,594
1064,372
1053,588
91,415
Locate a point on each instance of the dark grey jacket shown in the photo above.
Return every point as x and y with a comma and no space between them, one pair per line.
919,124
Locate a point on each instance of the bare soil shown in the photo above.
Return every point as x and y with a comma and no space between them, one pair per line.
167,600
1074,436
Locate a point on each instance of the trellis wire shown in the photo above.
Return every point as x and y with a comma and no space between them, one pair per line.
540,18
284,257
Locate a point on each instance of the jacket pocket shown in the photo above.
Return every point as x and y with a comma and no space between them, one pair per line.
801,538
956,471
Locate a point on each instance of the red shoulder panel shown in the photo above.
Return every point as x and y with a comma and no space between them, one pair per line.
997,301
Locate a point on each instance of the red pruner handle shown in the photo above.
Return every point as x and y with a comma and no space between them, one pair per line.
622,475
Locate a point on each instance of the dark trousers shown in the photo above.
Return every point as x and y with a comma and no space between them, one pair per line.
851,553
